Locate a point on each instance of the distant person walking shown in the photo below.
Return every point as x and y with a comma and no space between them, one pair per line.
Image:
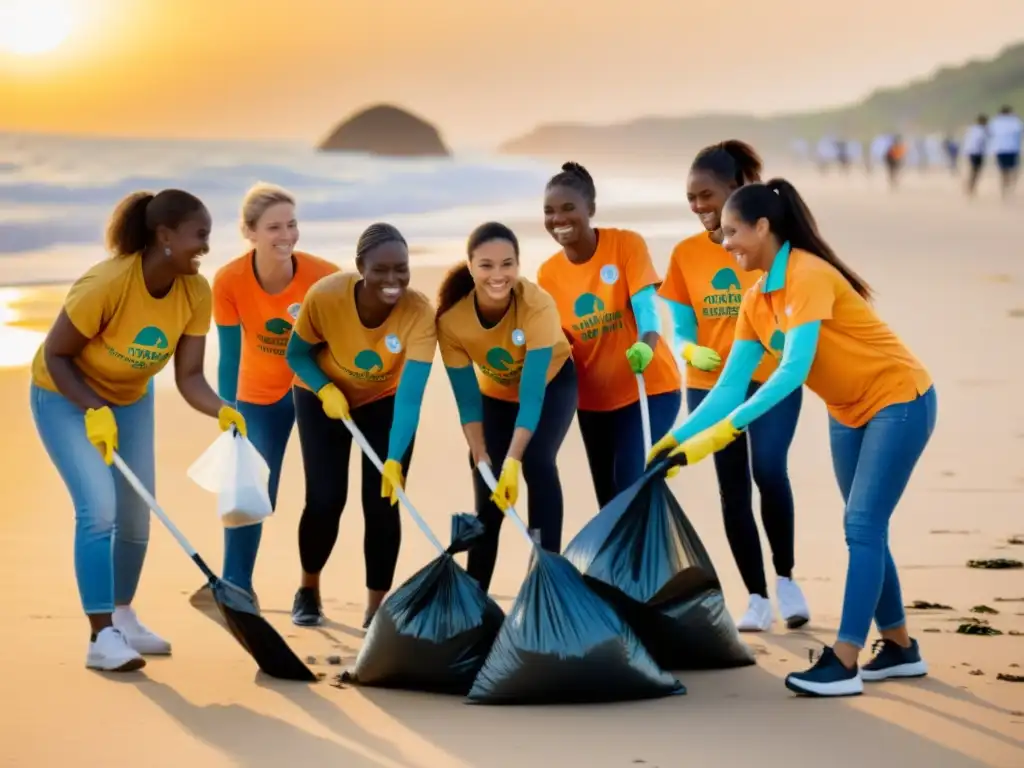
975,147
895,157
1006,131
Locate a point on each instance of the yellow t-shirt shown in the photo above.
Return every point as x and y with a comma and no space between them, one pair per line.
131,334
364,363
531,322
861,366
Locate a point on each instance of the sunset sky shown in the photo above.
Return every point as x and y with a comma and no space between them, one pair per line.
483,70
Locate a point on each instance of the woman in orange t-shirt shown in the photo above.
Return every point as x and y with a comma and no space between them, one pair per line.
605,286
256,298
813,313
703,288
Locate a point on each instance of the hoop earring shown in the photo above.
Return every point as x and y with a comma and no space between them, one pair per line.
167,251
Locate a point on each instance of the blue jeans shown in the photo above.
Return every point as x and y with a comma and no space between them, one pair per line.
614,442
268,428
111,520
764,454
873,465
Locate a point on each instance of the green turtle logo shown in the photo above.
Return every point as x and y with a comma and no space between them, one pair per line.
278,326
587,304
777,341
725,279
151,337
368,360
499,359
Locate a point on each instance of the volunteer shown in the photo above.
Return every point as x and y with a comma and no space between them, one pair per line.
703,288
604,285
92,395
256,299
362,348
881,403
516,411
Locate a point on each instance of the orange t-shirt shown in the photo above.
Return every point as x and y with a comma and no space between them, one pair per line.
861,366
364,363
702,275
499,352
266,319
594,306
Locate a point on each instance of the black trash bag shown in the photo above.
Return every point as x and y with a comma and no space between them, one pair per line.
642,555
434,632
561,643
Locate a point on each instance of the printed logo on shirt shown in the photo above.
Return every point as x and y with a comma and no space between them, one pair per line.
275,340
609,274
293,310
518,337
594,321
149,348
367,366
777,343
392,342
501,366
724,298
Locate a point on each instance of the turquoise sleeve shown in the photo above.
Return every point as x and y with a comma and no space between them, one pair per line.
797,356
645,311
532,386
230,339
299,355
466,388
729,391
408,400
684,322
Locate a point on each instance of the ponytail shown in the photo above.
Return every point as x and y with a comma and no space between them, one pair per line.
790,219
456,286
133,224
733,162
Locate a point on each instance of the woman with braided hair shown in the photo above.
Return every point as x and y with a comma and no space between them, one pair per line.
362,348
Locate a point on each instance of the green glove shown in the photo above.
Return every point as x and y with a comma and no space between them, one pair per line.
639,356
702,358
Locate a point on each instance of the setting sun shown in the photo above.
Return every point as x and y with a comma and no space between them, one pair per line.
32,27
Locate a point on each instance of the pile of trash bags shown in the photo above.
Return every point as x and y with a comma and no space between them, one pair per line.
633,595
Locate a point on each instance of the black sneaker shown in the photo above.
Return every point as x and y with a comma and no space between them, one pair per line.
306,608
891,660
828,677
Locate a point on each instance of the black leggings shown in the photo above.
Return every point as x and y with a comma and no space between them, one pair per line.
540,470
326,446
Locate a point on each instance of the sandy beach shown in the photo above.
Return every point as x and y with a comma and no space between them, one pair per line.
949,278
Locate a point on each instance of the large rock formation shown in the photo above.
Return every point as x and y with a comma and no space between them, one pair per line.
386,130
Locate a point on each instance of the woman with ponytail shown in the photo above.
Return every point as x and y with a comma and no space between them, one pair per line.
604,284
703,288
517,406
812,313
92,394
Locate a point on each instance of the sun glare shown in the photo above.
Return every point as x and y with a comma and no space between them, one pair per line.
33,27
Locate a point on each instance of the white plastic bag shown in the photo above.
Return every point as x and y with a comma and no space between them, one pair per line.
237,472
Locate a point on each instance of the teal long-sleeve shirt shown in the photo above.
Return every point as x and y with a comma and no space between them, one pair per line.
645,311
229,337
532,387
726,398
412,382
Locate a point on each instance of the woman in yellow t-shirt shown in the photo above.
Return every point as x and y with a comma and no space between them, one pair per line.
91,394
518,402
813,314
362,348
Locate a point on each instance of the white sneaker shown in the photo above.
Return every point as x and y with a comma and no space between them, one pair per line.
758,617
111,653
792,604
137,634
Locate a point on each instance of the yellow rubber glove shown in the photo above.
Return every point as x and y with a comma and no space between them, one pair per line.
228,417
701,358
666,444
506,492
639,356
335,404
101,429
703,444
391,480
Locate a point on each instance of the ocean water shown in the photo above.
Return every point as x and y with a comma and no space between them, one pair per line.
57,192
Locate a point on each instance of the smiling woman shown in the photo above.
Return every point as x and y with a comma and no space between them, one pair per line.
33,27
